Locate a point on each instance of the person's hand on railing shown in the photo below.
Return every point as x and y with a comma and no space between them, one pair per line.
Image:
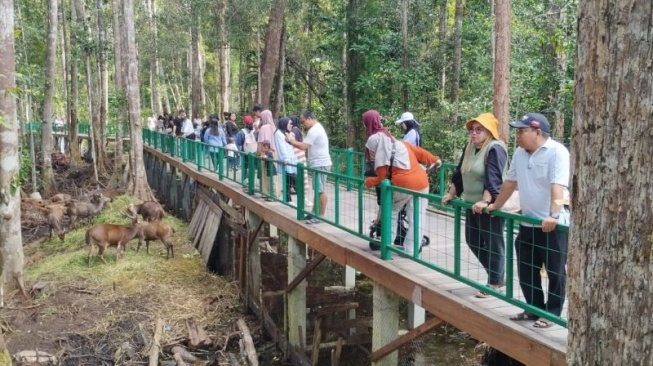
479,206
446,198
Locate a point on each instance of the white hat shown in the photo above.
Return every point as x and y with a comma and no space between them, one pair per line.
406,116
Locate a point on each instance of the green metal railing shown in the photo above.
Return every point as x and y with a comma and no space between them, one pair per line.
83,128
351,205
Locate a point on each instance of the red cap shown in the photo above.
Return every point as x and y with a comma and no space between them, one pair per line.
247,119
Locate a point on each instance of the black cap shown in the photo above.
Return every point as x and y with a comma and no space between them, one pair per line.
533,120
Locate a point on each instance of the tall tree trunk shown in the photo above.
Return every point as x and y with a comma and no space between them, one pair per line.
611,253
443,48
196,87
64,54
501,103
404,61
223,58
73,100
457,60
154,58
119,85
559,15
140,188
103,83
11,242
48,101
81,16
270,62
281,72
353,70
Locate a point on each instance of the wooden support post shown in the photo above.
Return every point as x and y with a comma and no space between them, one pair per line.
296,303
350,282
254,263
416,315
385,324
317,337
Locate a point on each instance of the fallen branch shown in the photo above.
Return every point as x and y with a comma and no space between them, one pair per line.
226,342
156,347
185,355
249,343
179,359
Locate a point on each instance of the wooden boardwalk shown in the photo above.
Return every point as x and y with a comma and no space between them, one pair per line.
441,295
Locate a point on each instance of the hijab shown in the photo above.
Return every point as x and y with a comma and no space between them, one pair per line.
266,118
282,124
373,125
296,128
413,125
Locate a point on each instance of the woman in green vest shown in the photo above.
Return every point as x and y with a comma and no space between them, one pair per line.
477,180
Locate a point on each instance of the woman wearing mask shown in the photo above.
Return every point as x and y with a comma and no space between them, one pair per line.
410,126
477,180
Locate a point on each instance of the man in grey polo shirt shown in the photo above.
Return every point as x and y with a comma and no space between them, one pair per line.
316,143
540,169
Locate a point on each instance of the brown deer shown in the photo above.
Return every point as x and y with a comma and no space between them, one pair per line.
154,230
150,210
55,214
110,235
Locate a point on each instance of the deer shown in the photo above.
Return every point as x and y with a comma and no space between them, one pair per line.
150,210
110,235
153,230
76,209
55,214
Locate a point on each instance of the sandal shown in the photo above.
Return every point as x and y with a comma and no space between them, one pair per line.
523,316
481,295
542,323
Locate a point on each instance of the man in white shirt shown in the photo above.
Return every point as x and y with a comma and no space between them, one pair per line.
187,129
540,168
316,143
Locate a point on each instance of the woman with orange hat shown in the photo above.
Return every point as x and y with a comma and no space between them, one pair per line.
477,180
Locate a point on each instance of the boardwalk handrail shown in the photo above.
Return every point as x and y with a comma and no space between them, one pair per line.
350,188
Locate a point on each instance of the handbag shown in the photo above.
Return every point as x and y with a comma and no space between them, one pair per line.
369,169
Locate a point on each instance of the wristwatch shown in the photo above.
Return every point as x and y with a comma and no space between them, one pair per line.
555,215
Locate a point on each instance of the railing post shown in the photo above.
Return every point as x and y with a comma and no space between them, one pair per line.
251,172
221,163
417,238
299,188
456,240
184,149
199,156
510,240
386,219
350,167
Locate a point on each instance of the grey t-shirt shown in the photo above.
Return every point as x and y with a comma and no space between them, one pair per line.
318,153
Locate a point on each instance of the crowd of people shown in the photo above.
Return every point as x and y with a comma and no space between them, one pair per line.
485,177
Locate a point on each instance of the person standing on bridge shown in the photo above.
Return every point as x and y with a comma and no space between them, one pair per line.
540,168
316,143
477,180
411,129
398,161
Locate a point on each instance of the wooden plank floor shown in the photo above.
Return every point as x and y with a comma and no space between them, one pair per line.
453,301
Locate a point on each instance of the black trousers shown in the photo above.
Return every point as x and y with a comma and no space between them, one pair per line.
534,248
291,182
484,236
